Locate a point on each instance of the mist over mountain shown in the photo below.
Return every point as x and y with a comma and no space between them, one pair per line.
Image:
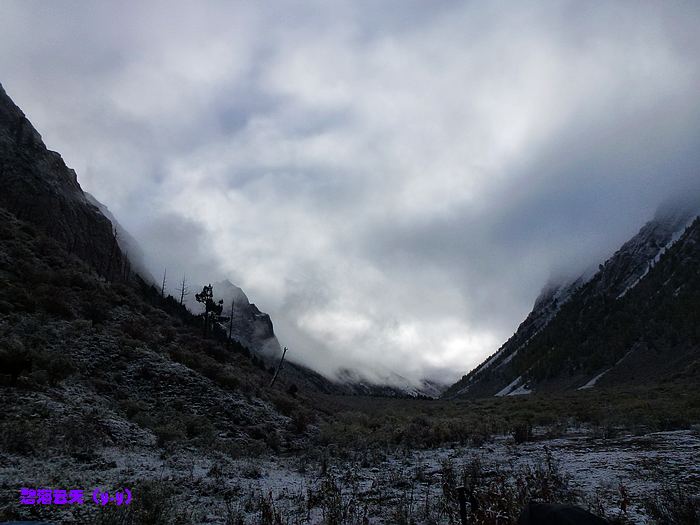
350,262
250,327
393,192
631,321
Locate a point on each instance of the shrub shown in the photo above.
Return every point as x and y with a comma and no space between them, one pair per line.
300,420
23,437
153,503
57,367
40,366
168,432
82,434
522,432
55,305
284,404
228,380
673,504
15,359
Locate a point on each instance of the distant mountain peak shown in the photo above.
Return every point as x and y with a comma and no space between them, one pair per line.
228,291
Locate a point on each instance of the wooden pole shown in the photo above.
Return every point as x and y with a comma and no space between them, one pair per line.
274,377
462,497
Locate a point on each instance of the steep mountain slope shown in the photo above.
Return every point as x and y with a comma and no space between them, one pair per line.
125,365
39,188
78,328
574,333
128,245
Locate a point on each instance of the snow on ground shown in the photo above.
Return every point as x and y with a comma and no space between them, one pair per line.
375,481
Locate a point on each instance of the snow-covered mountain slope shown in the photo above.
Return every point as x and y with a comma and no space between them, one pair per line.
503,373
352,383
389,385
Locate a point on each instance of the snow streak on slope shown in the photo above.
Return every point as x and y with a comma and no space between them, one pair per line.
676,235
613,279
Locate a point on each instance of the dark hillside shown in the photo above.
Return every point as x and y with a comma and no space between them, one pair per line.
120,361
39,188
630,323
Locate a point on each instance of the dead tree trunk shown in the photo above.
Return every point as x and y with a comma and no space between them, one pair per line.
279,366
230,324
162,288
184,290
462,497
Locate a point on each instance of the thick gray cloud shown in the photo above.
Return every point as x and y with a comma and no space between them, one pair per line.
392,181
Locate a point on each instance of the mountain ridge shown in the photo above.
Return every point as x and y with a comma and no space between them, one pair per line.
38,187
620,274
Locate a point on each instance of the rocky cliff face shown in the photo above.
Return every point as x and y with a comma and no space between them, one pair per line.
251,327
39,188
551,348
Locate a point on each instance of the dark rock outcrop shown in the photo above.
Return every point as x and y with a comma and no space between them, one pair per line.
39,188
251,327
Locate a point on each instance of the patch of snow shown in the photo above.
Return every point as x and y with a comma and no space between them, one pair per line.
674,238
506,391
594,380
522,390
213,484
490,361
510,357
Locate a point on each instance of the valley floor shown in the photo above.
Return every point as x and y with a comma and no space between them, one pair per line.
628,478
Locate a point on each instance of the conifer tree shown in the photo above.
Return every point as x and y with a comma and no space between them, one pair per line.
212,310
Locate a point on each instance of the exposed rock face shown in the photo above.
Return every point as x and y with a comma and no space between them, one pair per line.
251,327
585,309
128,245
39,188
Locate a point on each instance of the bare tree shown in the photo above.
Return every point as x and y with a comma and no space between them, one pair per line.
230,323
162,288
184,289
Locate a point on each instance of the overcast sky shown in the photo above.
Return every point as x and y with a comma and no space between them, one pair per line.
393,181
